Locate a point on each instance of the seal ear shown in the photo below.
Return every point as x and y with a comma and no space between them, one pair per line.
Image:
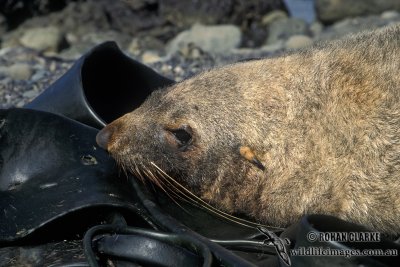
249,155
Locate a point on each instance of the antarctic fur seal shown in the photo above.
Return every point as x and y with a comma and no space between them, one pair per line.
314,131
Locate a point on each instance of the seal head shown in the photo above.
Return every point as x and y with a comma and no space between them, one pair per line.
311,132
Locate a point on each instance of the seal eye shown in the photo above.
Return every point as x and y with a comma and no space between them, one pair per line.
183,136
179,136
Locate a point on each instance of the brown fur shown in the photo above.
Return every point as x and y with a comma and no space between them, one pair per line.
325,123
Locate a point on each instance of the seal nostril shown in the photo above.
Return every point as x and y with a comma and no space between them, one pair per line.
103,137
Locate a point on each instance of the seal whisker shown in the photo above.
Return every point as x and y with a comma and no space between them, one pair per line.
138,172
156,181
160,183
210,208
124,170
134,170
175,190
120,166
167,190
184,196
178,192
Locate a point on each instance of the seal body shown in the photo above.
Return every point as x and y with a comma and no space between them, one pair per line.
324,124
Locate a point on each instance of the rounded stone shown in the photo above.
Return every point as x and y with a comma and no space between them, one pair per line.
149,57
298,41
43,38
19,71
214,39
390,14
273,16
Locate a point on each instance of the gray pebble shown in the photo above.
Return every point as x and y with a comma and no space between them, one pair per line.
21,103
29,94
279,45
298,41
42,38
20,71
273,16
390,14
17,71
212,39
316,28
149,57
38,75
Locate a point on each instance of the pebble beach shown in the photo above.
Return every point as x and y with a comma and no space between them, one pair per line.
38,50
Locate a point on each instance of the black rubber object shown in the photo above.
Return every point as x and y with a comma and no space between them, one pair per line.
101,86
147,247
52,169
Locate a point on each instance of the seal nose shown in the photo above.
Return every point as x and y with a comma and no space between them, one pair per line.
103,137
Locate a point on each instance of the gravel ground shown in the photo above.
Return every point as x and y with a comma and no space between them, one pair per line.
33,54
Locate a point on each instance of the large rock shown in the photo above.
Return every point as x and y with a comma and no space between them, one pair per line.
213,39
42,39
329,11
